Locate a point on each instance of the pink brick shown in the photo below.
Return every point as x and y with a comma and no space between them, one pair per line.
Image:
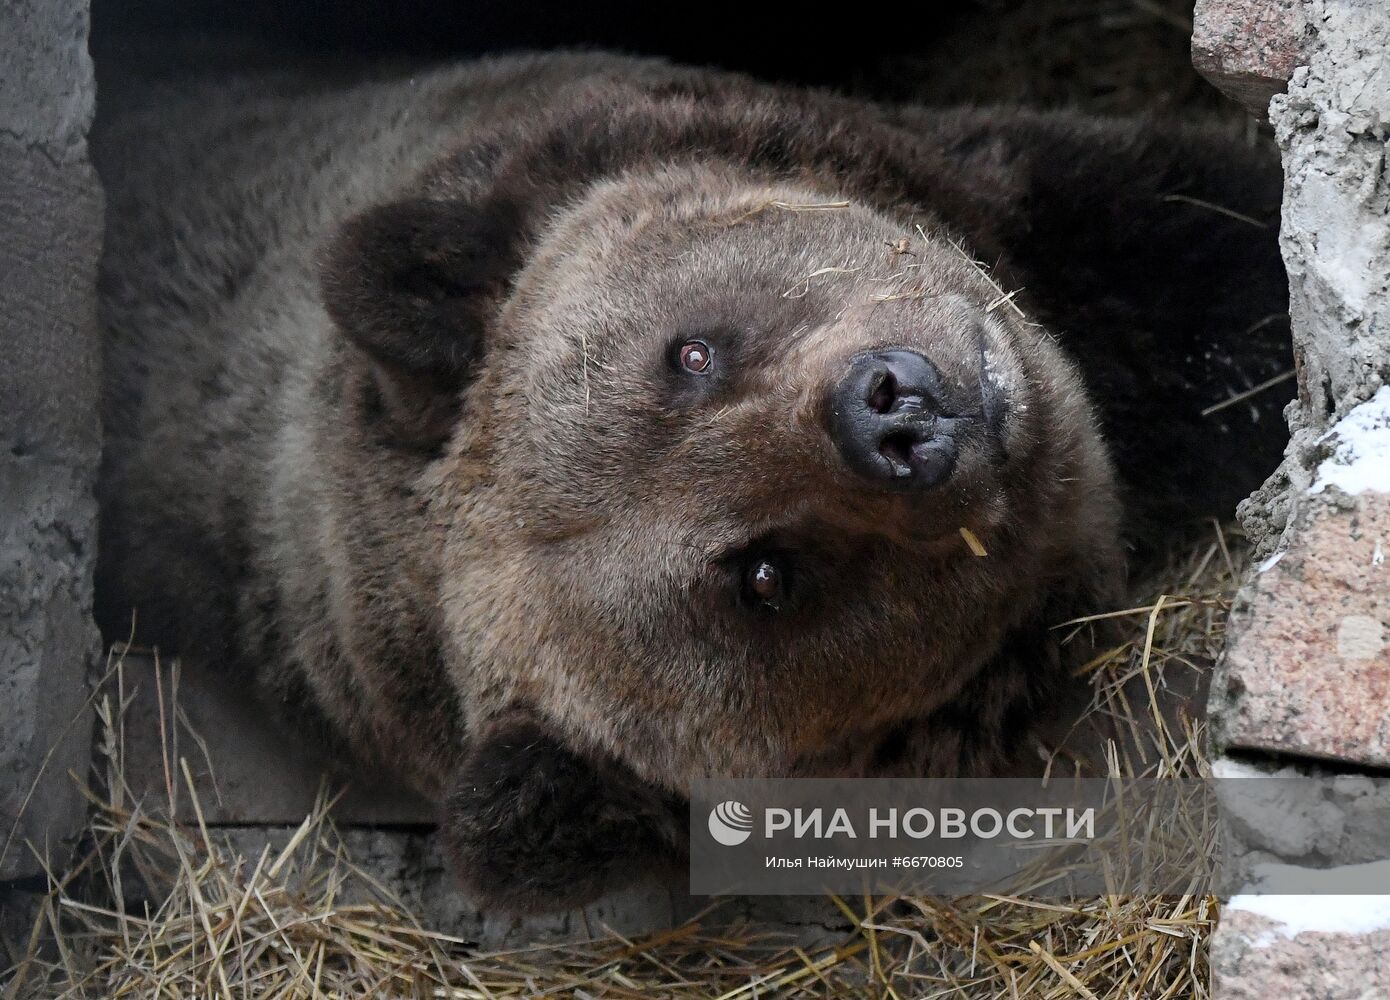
1247,48
1307,670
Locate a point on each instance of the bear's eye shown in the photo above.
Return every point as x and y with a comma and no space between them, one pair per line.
696,356
765,582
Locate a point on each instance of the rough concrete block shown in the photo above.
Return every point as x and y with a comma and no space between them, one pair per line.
1307,670
46,638
47,101
1331,127
49,433
1301,814
1248,48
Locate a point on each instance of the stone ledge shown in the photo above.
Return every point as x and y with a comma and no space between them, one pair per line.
1300,814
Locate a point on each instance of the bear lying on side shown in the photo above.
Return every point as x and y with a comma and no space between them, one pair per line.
554,430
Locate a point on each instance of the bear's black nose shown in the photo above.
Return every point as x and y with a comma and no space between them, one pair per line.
887,419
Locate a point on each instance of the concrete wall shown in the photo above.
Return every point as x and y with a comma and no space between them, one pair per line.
50,233
1308,662
1332,126
1304,687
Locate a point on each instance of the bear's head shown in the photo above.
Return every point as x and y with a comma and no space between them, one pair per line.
742,465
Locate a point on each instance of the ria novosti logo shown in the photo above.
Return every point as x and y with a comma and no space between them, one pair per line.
730,823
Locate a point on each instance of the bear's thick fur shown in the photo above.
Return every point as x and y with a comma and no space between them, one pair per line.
402,432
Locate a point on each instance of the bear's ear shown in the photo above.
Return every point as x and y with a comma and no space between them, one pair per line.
414,284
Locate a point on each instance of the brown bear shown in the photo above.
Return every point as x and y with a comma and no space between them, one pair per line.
554,430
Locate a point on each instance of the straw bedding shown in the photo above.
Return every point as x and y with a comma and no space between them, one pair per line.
155,907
